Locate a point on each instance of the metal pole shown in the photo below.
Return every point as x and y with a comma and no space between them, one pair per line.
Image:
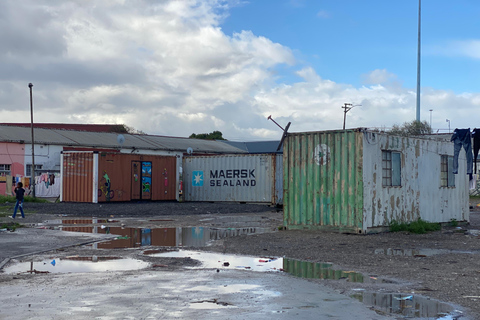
418,60
32,183
430,117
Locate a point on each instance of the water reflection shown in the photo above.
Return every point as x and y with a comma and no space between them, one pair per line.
77,264
298,268
168,237
409,306
316,270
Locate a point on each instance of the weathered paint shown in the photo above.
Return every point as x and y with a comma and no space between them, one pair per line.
323,184
333,180
105,177
420,194
77,177
233,177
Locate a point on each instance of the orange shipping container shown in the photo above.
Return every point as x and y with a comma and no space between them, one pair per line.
104,177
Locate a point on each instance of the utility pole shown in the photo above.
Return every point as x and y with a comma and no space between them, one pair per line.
32,182
347,107
418,60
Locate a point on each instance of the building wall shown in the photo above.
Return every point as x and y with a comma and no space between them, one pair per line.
12,154
420,194
46,155
323,182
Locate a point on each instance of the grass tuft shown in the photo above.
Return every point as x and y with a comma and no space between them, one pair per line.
420,226
11,199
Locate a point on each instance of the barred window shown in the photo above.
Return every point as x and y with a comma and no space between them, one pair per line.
447,178
5,170
391,169
28,172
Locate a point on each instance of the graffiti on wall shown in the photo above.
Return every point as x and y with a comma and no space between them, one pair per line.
146,179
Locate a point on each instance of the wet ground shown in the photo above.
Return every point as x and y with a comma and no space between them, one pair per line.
399,274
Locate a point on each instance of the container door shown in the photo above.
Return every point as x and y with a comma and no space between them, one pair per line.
136,180
146,180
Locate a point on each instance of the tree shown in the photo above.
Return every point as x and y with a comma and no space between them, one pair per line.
215,135
131,130
413,128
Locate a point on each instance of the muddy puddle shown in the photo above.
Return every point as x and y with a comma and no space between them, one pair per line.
162,237
76,265
298,268
408,306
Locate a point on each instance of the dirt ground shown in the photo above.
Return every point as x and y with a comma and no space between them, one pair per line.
443,265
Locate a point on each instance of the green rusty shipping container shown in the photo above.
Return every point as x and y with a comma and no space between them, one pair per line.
359,181
323,184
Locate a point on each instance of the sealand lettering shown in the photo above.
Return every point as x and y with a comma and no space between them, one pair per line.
232,178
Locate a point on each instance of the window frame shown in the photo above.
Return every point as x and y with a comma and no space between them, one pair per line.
5,169
391,168
28,169
447,178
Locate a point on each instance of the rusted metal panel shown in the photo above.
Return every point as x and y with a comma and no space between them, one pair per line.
155,177
323,186
335,180
77,177
104,177
239,178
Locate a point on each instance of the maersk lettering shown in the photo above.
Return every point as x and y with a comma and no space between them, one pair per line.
233,178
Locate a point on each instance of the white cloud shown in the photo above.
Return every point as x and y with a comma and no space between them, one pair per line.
168,68
463,48
379,76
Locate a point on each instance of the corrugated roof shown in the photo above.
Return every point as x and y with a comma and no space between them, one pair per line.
109,140
71,126
256,146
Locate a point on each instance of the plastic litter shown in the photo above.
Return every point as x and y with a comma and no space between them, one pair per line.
53,263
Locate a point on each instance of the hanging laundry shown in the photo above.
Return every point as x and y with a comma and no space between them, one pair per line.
473,182
476,145
462,137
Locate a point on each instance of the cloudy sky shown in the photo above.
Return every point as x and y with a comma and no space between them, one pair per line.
176,67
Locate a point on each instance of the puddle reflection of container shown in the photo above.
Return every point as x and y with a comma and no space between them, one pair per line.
316,270
412,307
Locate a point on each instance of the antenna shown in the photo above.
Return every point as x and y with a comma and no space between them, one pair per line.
120,140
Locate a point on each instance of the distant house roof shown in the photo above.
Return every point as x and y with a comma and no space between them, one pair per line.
71,138
118,128
256,146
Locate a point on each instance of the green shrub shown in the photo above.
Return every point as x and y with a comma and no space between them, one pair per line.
420,226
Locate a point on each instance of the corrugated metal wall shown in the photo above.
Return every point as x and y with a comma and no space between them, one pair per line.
104,177
116,170
77,177
323,186
239,178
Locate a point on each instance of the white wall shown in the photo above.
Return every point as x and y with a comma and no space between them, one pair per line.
420,194
46,155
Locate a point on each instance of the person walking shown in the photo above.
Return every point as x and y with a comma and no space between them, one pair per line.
19,192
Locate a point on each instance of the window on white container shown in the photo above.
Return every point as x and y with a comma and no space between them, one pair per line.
5,170
28,172
447,178
391,169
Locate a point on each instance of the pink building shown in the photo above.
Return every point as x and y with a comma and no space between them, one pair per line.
12,162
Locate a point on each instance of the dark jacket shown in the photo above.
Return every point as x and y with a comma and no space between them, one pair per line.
19,192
